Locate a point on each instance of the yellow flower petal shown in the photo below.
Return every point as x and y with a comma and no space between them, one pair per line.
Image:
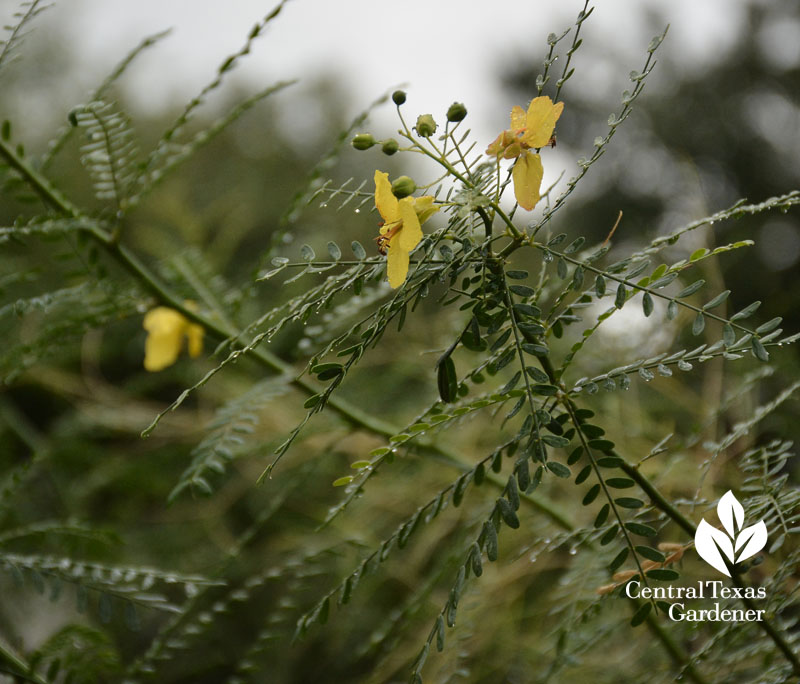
411,233
541,121
497,146
165,330
385,201
194,334
527,174
425,208
396,263
519,118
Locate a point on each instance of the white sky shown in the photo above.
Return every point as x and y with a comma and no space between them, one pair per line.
445,50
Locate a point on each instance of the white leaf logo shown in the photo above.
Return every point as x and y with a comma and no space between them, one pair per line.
734,543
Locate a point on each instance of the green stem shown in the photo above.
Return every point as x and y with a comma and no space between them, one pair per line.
521,356
355,262
452,170
570,406
642,288
458,149
18,668
39,183
658,500
575,43
487,222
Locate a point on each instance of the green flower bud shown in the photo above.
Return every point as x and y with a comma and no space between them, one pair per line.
398,97
363,141
390,146
403,187
426,126
457,112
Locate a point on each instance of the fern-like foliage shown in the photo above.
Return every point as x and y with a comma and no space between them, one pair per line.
57,143
110,151
132,586
66,314
227,436
10,45
84,654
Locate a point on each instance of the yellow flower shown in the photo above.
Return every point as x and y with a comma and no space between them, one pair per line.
529,130
400,231
166,330
534,128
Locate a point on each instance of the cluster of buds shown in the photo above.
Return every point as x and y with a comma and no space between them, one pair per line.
363,141
675,552
425,127
402,214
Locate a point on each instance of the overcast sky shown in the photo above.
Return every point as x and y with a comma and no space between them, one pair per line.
445,50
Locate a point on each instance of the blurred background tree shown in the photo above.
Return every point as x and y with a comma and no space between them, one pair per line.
702,140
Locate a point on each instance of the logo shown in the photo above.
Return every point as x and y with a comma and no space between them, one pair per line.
735,543
721,549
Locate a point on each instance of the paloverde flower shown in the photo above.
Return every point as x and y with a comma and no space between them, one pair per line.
400,231
166,331
529,130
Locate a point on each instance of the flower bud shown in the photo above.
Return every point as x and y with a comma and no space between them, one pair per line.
390,146
403,187
363,141
398,97
457,112
426,126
